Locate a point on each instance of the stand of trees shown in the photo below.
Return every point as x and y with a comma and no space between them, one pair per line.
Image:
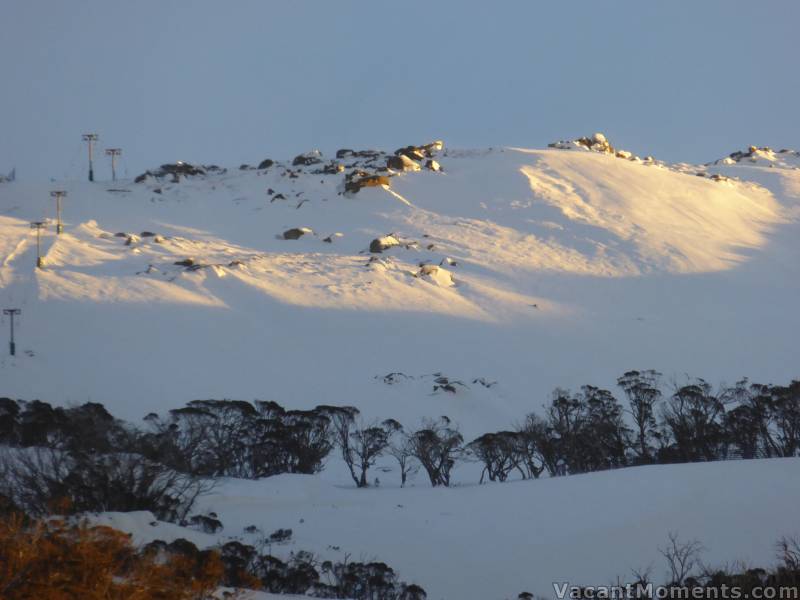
85,458
592,430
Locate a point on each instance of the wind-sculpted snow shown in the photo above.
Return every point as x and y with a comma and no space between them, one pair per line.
534,268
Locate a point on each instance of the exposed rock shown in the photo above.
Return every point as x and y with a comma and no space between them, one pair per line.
402,163
380,244
182,168
266,163
295,233
176,170
432,165
484,382
332,168
355,185
446,384
309,158
596,143
145,234
421,152
411,152
393,378
347,152
436,274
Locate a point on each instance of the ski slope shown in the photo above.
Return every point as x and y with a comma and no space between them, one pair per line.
492,542
553,268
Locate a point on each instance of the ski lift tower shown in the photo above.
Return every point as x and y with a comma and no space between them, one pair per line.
91,138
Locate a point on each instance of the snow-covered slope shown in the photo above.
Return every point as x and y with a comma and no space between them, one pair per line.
545,268
494,541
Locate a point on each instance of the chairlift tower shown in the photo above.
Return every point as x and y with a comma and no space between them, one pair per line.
58,195
91,138
38,226
113,153
11,312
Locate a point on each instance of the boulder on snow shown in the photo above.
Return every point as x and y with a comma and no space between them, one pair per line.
380,244
354,184
295,233
332,168
432,165
421,152
402,163
411,152
436,274
266,163
309,158
596,143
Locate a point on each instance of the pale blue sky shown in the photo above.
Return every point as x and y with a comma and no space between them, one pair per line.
238,81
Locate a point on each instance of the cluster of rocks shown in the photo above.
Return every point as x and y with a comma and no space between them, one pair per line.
753,153
713,177
190,264
441,382
358,179
374,168
295,233
597,143
383,243
177,169
133,238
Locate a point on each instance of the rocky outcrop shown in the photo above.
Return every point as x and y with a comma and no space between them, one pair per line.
176,170
296,233
358,180
380,244
402,163
309,158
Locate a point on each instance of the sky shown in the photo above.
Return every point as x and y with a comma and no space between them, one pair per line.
236,82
